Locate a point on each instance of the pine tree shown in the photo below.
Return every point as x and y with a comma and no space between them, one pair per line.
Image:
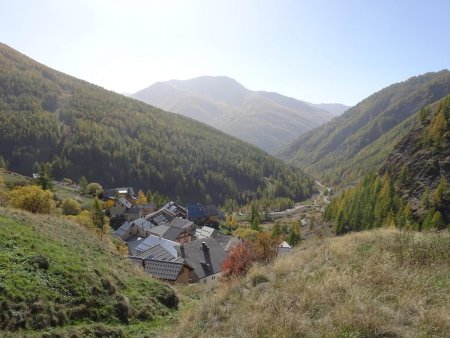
45,177
83,183
98,216
255,224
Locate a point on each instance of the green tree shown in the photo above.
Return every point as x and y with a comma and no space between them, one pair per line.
98,216
94,189
45,178
83,183
294,235
437,221
441,192
255,224
33,199
70,207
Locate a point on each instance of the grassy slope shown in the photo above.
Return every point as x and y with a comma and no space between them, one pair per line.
382,283
61,192
86,287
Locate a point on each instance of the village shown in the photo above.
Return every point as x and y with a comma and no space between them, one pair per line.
176,244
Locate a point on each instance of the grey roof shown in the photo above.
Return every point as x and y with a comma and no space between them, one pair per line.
125,202
172,233
181,223
226,242
163,269
159,230
176,209
211,210
151,241
143,224
160,220
161,216
133,242
204,232
132,210
157,252
206,259
122,230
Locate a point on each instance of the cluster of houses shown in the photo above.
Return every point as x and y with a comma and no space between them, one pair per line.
174,243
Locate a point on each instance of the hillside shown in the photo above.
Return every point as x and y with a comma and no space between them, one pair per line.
356,142
55,276
411,188
82,129
382,283
267,120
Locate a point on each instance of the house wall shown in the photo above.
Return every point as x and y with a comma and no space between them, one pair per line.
183,277
212,279
117,211
283,251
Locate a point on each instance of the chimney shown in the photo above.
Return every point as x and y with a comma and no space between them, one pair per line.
205,246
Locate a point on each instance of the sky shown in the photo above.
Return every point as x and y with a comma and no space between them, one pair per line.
316,50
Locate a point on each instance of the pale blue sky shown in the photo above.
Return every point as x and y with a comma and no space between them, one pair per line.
317,50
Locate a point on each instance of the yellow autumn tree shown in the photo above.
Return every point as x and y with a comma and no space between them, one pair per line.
33,199
141,198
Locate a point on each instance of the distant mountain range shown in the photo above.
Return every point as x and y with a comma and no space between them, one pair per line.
265,119
344,149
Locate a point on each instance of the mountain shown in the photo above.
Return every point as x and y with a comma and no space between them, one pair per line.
358,141
411,188
267,120
334,108
56,276
84,130
366,284
420,162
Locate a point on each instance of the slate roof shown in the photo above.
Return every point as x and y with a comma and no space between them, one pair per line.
151,241
205,256
181,223
122,230
157,252
125,202
162,216
143,224
159,230
172,233
176,209
163,269
226,242
204,232
133,242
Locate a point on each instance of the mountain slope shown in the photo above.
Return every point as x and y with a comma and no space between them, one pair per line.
56,276
267,120
411,188
381,283
82,129
330,150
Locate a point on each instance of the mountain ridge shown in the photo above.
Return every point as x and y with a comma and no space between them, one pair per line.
266,119
329,151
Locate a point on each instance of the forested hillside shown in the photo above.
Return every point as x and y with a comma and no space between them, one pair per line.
82,129
349,146
265,119
411,188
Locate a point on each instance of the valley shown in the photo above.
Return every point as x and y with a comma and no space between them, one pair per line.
120,219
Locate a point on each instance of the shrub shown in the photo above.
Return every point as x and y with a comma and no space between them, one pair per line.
94,189
70,207
32,198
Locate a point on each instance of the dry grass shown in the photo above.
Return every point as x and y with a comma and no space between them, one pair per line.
382,283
